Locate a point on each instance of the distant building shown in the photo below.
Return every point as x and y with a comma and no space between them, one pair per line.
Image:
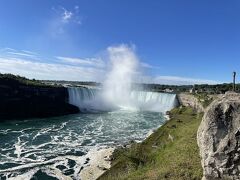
192,90
168,90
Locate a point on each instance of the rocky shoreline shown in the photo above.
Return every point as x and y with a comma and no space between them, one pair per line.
98,160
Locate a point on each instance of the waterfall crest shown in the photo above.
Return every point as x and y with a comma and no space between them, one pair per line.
90,99
154,101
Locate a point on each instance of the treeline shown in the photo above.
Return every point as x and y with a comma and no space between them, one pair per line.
72,83
216,88
15,80
163,88
197,88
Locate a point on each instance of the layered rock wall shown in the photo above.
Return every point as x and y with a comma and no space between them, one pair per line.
28,101
191,101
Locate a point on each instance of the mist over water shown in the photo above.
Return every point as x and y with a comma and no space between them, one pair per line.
117,92
117,86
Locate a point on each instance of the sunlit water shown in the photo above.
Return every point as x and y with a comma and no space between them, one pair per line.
55,147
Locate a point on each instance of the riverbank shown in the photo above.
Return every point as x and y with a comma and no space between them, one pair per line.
171,152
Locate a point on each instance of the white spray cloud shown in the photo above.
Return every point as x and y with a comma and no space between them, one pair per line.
123,67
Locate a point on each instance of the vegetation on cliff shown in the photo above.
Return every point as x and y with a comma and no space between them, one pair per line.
13,80
169,153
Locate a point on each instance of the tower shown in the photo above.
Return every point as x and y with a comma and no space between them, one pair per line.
234,81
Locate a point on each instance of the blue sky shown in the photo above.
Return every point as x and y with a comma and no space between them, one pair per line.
176,41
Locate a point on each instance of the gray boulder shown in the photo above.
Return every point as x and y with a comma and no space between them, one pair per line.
219,138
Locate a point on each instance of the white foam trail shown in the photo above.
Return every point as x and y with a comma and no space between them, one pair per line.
18,148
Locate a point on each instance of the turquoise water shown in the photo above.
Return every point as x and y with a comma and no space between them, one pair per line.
51,148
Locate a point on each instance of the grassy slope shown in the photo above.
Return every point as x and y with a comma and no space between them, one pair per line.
158,157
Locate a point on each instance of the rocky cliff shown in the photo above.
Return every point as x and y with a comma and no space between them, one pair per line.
21,100
219,138
189,100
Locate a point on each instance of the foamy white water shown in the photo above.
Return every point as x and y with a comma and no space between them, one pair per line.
57,147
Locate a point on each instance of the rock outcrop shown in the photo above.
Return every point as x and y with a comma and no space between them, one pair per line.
219,138
191,101
20,100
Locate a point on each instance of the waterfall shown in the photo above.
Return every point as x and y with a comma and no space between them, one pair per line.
154,101
90,99
81,96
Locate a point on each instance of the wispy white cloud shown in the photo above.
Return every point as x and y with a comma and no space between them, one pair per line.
22,54
16,53
176,80
61,19
29,64
149,66
29,52
97,62
40,70
6,49
76,8
66,15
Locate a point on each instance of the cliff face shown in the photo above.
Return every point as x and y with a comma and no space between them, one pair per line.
18,100
190,101
219,138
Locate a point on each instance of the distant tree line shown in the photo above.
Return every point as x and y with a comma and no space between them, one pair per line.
162,87
15,80
72,83
216,88
197,88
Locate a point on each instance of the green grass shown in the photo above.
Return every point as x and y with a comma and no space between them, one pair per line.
160,157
